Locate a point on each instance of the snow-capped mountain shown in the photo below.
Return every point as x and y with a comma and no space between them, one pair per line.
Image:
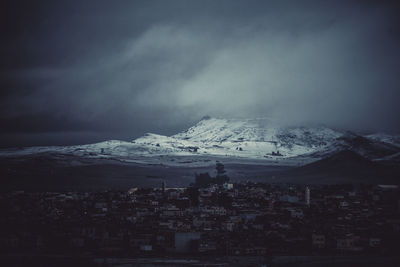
256,139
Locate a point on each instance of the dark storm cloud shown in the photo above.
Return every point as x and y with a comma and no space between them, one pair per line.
123,68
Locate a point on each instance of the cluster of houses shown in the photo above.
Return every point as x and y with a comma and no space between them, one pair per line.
227,219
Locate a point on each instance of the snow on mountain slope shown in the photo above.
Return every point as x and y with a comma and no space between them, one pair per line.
255,138
258,139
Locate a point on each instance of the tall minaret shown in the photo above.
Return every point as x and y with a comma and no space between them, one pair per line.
307,196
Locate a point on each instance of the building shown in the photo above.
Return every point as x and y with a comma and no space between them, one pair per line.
318,241
184,242
307,196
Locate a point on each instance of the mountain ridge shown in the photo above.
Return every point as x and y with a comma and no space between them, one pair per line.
258,139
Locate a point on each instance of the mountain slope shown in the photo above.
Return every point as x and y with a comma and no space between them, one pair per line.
260,140
257,138
345,166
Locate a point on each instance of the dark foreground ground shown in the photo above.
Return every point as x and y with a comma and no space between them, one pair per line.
278,261
49,173
44,174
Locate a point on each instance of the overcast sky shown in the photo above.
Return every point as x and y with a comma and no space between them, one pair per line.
75,72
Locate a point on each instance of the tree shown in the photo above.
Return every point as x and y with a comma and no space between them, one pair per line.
225,200
220,168
221,176
194,196
203,180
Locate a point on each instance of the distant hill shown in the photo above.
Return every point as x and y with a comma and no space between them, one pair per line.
345,166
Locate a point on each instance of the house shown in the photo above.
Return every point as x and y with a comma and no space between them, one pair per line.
184,241
289,198
318,241
349,242
296,213
146,248
207,246
374,242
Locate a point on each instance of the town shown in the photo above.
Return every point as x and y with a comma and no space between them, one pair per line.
218,219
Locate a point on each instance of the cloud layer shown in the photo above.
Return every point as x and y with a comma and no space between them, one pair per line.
118,70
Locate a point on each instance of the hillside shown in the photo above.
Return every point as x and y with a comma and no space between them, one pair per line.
345,166
259,140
